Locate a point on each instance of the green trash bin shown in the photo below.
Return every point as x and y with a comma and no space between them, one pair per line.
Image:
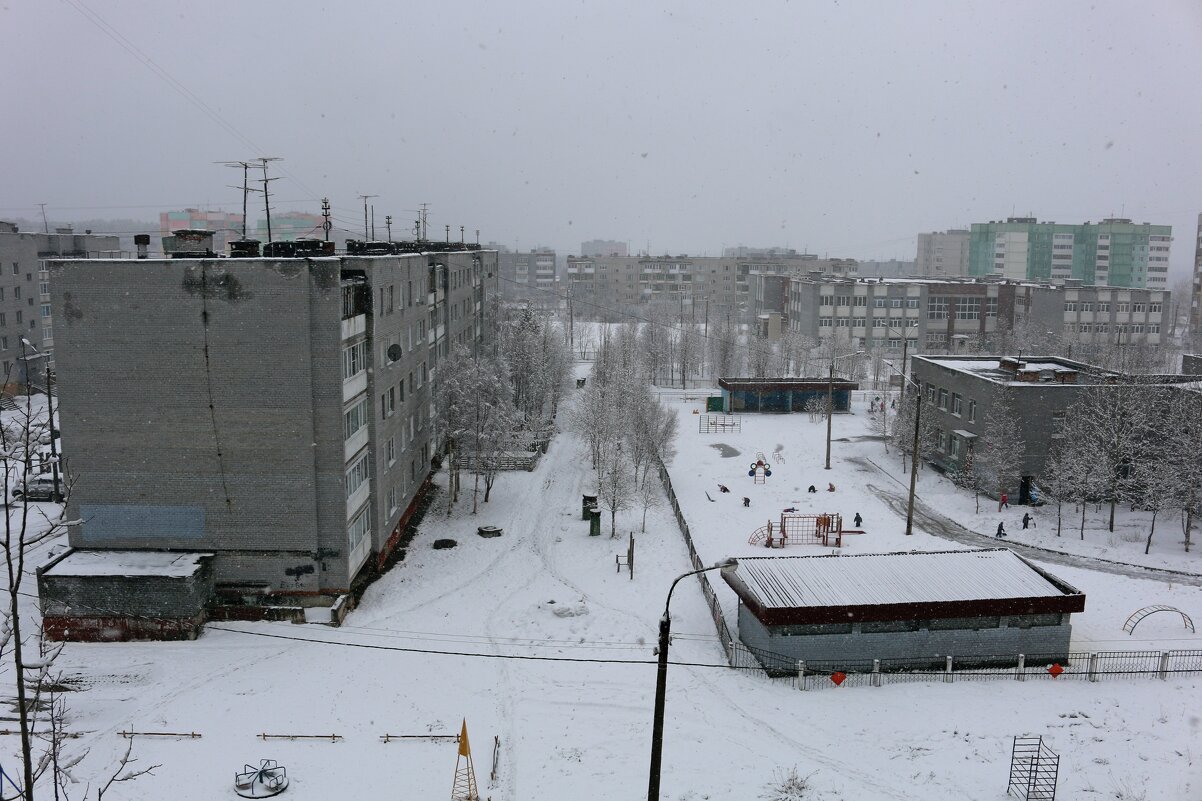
594,522
714,404
587,502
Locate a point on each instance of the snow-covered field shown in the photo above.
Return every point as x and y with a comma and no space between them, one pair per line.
573,713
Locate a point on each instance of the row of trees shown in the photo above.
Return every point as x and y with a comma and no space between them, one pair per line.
626,429
492,403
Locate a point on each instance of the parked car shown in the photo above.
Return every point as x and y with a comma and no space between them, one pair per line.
38,488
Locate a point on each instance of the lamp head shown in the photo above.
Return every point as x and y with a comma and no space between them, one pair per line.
727,565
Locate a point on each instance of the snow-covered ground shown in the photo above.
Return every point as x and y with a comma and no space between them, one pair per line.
573,713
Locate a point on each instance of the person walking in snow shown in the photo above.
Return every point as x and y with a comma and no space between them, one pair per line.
1001,531
747,501
859,520
1026,520
1003,502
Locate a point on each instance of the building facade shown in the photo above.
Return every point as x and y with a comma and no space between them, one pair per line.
25,309
1195,304
225,226
712,287
528,275
290,430
604,247
951,316
289,226
1115,252
942,254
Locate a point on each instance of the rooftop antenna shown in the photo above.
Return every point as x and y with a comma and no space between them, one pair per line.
388,223
263,161
45,225
325,213
425,208
365,198
245,165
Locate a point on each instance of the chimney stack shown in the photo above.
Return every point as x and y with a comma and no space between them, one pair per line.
142,242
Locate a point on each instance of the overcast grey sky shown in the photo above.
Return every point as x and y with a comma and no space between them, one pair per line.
843,128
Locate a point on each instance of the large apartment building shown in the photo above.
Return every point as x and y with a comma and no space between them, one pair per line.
720,286
1114,252
528,275
25,310
951,316
942,254
274,413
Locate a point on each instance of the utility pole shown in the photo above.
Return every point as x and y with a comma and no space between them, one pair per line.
373,222
448,234
425,208
461,239
325,212
245,165
365,199
263,160
388,223
45,225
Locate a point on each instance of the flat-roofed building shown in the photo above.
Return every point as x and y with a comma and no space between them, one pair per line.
979,607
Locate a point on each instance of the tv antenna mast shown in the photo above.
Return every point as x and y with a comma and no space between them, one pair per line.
365,198
246,190
263,161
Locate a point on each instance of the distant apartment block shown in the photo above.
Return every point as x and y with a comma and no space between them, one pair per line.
1115,252
276,414
886,268
603,247
528,275
1195,308
290,226
717,286
25,309
225,226
942,254
951,316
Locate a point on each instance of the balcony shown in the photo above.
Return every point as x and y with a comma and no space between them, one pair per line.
354,386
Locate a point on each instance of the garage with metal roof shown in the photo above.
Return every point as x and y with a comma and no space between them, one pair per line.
906,609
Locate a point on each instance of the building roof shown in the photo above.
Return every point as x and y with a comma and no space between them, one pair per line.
128,563
889,586
777,384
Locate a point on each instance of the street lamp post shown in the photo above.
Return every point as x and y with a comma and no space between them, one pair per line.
661,677
914,453
830,402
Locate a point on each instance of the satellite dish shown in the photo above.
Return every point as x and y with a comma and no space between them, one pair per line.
394,352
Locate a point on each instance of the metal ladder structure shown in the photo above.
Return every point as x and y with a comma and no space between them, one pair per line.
1034,769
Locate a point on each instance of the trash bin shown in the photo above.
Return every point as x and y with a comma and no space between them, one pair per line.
594,522
586,502
580,383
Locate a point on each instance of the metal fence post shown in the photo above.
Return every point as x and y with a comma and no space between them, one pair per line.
947,676
1093,667
1163,671
876,673
801,674
1020,672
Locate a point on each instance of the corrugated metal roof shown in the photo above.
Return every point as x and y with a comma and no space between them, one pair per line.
791,582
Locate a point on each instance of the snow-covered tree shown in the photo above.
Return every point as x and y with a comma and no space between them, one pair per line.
615,485
650,494
999,452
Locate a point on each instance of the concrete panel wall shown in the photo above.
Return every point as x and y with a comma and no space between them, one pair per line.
858,646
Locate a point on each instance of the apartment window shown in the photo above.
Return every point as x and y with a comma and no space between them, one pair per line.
28,276
20,319
943,440
930,393
424,375
895,303
825,322
842,300
943,399
859,300
937,309
991,307
1070,305
972,411
16,268
911,303
1104,306
842,322
1,293
1138,328
392,504
356,475
1138,308
894,344
1086,306
1154,328
956,404
354,360
2,318
391,298
1085,328
968,308
43,287
411,383
45,310
1153,308
825,300
954,444
1122,309
358,528
879,303
857,322
390,451
16,293
354,419
3,343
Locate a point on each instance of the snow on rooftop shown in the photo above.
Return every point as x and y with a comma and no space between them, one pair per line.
892,578
128,563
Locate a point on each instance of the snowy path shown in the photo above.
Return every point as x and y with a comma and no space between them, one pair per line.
945,528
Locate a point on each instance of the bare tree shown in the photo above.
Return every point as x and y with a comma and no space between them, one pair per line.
999,452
